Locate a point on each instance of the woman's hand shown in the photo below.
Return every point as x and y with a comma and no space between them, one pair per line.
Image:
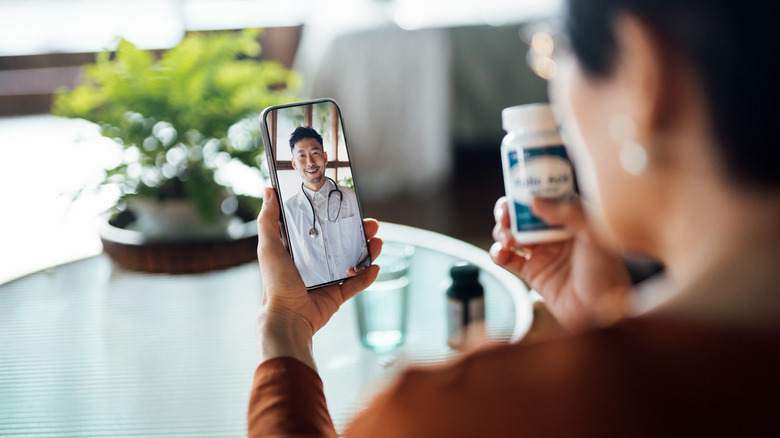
355,270
289,315
582,284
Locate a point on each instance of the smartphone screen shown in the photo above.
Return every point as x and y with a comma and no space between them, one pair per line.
321,219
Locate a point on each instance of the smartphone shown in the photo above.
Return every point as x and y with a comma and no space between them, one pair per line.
321,220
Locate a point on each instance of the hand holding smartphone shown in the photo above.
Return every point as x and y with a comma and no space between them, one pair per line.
321,220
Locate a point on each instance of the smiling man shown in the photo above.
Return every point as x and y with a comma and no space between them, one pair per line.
323,219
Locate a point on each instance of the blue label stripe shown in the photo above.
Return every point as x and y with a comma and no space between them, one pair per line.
552,151
526,221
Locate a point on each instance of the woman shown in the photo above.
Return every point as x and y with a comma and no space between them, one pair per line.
666,109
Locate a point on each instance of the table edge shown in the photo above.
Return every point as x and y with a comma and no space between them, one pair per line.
432,240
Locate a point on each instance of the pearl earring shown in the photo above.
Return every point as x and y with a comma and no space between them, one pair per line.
633,156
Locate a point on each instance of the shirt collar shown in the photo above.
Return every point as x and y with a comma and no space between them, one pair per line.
327,187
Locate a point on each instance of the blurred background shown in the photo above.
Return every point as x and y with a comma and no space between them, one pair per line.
421,84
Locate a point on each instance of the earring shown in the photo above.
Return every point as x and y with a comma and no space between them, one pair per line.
633,156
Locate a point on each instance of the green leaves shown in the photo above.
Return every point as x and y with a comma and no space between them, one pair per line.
185,100
206,83
347,182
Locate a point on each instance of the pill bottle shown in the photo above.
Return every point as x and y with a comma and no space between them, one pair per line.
535,164
465,302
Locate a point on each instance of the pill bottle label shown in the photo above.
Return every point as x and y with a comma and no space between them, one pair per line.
460,313
454,322
477,309
543,172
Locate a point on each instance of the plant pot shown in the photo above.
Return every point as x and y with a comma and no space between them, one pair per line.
170,238
174,220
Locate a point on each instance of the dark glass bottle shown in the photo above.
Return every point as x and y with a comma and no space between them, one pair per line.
465,302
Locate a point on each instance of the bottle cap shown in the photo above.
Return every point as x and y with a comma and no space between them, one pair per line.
465,281
532,117
464,273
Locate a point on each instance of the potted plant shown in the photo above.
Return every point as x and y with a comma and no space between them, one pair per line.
185,121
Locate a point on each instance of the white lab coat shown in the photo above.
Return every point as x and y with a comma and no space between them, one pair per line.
339,245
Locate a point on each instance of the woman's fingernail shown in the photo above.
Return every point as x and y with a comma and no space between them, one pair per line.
522,252
498,212
495,248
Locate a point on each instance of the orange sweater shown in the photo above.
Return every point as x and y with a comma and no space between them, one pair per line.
643,377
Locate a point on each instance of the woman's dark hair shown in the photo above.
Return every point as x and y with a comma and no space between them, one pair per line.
732,50
302,132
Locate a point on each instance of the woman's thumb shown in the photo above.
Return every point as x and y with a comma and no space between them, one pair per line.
567,213
268,220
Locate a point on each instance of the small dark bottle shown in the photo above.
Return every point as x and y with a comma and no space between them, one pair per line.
465,302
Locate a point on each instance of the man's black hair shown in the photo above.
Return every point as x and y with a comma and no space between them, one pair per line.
302,132
732,50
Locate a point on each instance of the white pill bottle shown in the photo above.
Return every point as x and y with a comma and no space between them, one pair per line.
535,164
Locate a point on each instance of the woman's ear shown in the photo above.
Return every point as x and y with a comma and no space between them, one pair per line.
645,77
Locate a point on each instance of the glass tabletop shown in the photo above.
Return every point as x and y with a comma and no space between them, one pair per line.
91,349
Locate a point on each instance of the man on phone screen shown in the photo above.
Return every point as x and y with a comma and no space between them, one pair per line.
323,219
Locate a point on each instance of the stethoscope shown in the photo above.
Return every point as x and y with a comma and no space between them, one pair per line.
313,233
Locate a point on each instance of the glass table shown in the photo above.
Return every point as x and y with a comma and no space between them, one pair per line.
91,349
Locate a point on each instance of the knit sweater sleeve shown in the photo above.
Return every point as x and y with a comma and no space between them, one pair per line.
287,400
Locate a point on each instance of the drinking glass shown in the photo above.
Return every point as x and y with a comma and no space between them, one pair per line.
382,307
